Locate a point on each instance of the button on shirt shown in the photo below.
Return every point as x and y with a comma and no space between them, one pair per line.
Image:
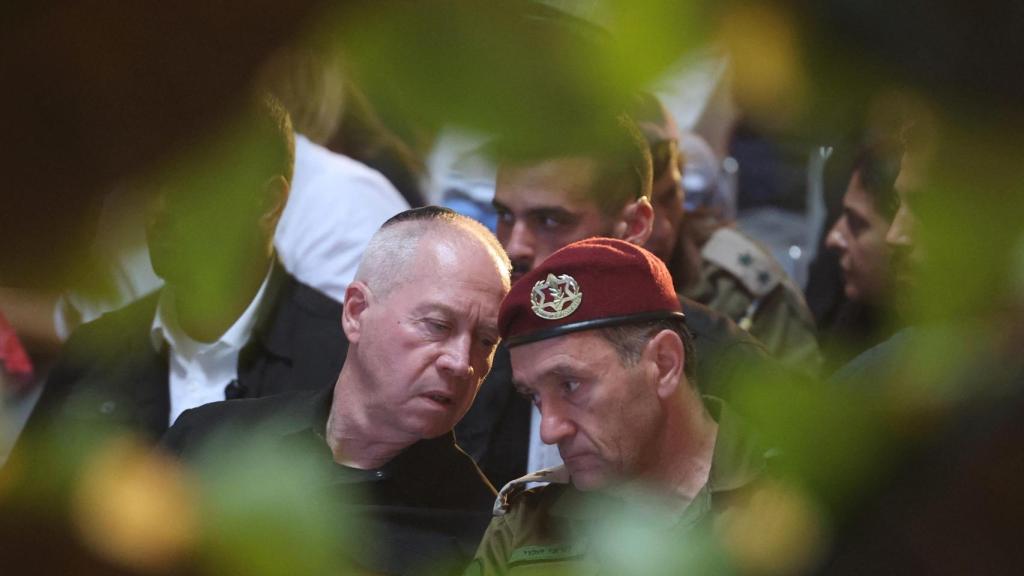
199,371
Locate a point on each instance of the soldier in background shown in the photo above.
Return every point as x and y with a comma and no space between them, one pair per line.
711,261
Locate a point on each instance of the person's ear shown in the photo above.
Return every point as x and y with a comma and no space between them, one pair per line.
357,301
275,194
667,357
636,222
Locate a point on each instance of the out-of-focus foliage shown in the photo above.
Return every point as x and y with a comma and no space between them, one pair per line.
102,91
268,512
95,501
135,507
519,68
99,94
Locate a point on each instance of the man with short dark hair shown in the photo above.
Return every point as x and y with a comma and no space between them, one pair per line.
546,199
869,205
609,376
866,315
711,261
421,317
876,364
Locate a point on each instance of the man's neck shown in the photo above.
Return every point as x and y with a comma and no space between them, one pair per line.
205,313
351,433
683,465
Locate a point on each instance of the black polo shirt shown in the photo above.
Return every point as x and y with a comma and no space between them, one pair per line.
426,509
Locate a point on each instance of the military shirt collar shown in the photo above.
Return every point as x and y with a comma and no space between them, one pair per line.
737,461
415,463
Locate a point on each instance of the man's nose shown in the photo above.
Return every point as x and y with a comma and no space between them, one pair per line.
455,360
901,231
555,425
836,240
520,243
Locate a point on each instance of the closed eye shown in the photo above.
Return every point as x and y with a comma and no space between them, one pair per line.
435,327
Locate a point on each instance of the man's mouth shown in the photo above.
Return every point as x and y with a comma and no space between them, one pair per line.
439,398
582,463
575,459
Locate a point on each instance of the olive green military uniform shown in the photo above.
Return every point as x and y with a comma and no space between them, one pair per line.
544,530
740,279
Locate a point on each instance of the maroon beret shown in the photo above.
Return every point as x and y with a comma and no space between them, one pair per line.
592,283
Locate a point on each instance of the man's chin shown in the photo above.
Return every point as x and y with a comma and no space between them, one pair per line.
588,479
426,427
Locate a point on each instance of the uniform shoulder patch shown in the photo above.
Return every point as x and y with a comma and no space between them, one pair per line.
511,491
744,259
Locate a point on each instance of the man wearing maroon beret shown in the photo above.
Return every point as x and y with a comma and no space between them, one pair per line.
547,196
598,341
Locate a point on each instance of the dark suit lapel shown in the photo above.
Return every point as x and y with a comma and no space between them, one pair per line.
148,376
152,391
270,339
267,331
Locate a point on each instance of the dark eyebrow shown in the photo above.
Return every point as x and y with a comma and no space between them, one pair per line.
540,211
553,212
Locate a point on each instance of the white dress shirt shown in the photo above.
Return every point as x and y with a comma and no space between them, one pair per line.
335,206
199,371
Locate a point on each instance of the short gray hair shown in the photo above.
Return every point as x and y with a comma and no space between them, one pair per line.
629,340
394,245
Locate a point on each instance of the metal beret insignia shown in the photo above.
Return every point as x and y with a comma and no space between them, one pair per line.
555,297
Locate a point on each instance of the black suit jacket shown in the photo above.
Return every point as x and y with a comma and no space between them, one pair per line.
422,512
110,372
496,430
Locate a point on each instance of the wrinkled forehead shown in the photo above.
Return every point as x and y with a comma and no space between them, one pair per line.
567,354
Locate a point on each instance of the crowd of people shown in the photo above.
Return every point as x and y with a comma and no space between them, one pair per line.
611,376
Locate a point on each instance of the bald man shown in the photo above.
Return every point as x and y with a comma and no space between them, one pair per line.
421,318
